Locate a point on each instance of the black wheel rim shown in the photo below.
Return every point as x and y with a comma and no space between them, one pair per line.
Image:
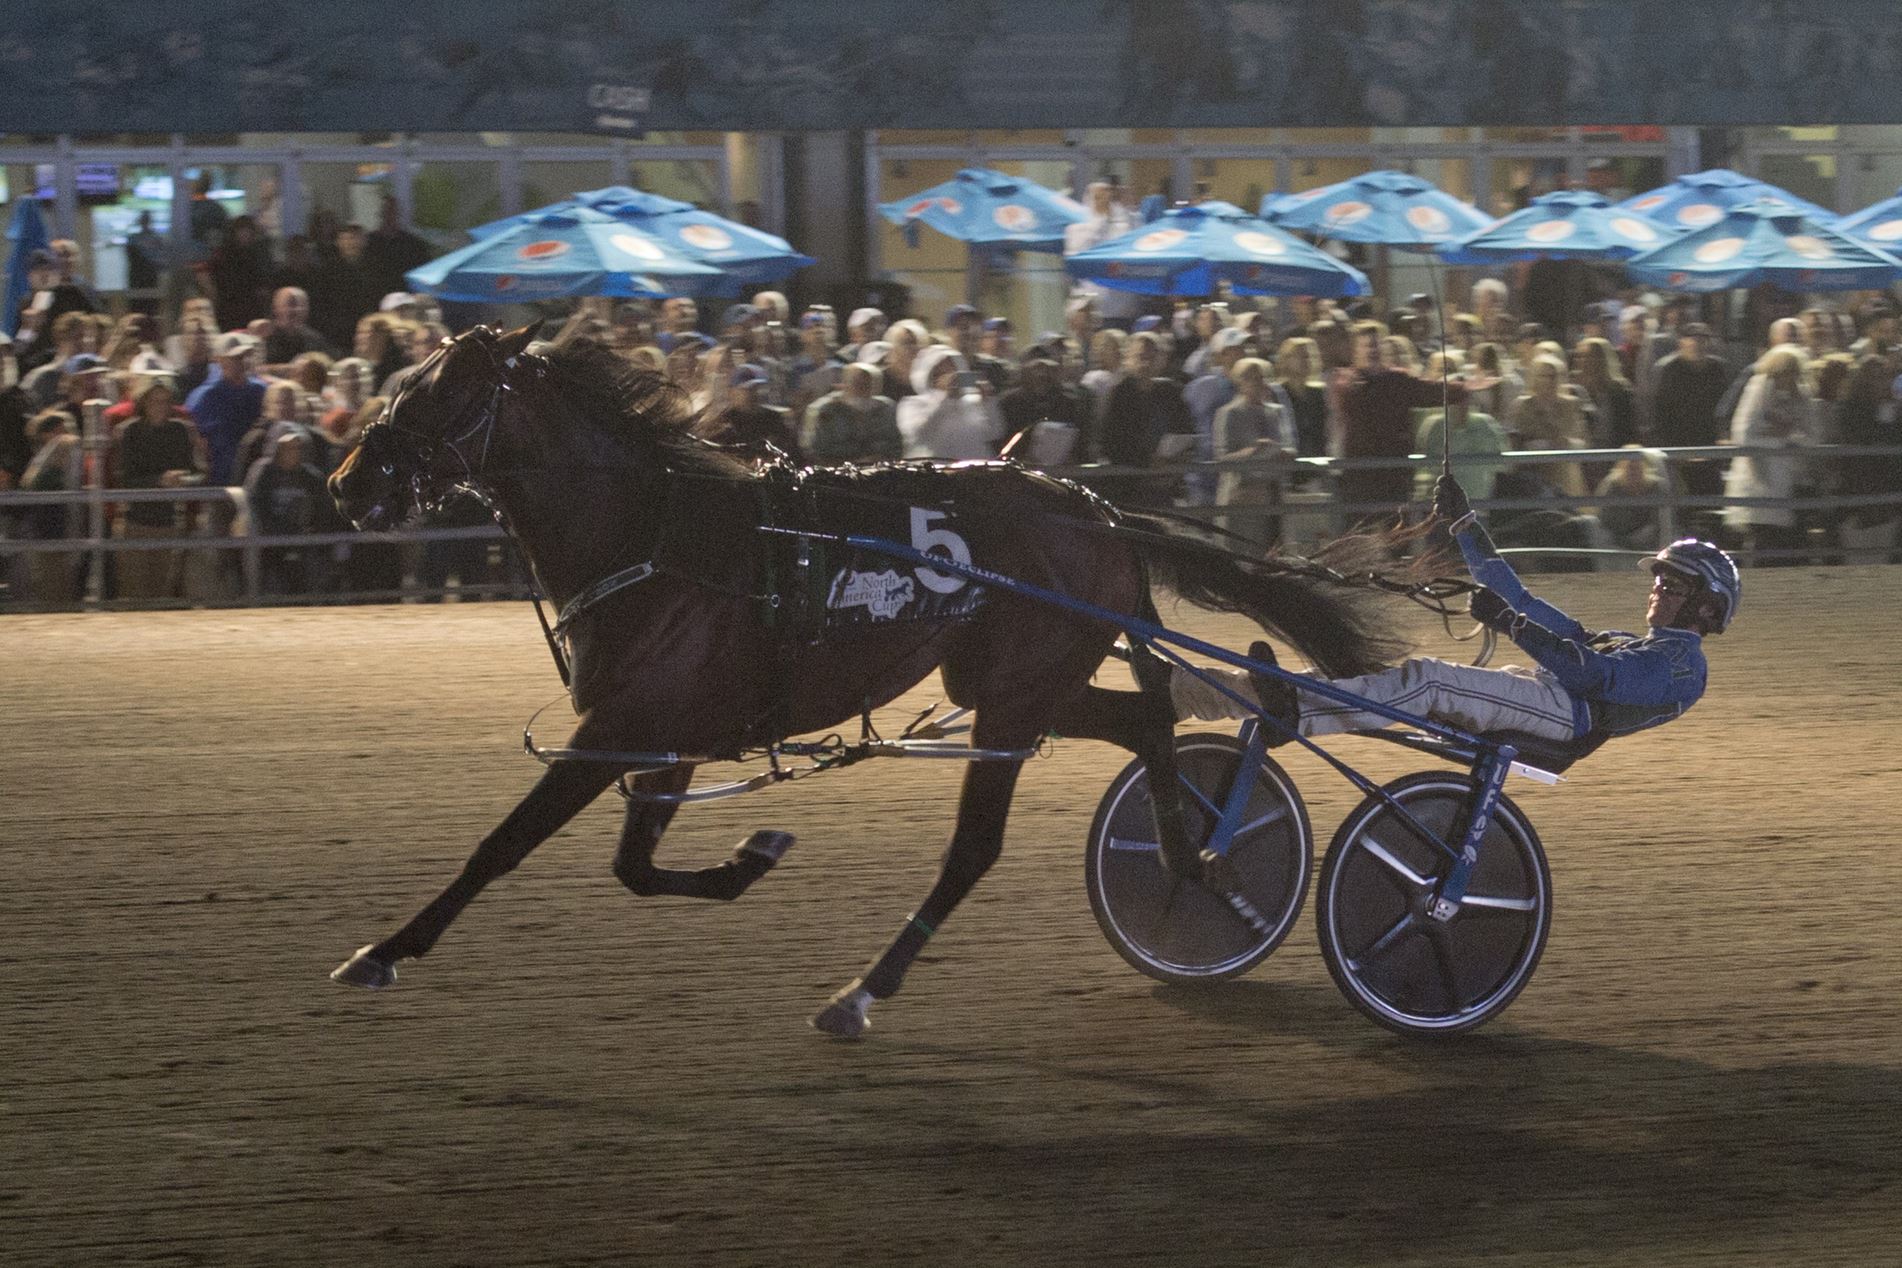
1421,972
1178,925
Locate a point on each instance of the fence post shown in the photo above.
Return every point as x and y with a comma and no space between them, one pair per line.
1667,514
93,445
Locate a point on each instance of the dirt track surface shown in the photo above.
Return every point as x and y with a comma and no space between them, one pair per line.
205,812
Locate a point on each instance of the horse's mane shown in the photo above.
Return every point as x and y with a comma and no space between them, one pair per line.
605,391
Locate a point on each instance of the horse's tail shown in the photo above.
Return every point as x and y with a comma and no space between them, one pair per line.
1314,604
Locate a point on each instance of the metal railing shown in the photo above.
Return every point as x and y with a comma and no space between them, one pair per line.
1305,516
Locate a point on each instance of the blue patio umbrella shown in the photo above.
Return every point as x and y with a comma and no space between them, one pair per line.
1702,198
1573,224
26,233
991,209
747,256
1765,241
1879,225
1388,208
1189,250
576,252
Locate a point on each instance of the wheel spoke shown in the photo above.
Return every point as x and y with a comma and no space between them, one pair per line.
1215,811
1485,903
1383,944
1394,863
1134,847
1443,957
1273,816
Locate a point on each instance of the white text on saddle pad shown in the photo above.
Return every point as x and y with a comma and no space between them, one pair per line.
884,594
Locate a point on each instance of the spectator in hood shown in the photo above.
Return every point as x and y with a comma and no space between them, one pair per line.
907,339
853,424
865,325
285,495
948,416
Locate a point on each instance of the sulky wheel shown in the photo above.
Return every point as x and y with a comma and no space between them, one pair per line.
1394,962
1176,930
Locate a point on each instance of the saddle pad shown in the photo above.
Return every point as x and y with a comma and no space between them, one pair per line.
863,587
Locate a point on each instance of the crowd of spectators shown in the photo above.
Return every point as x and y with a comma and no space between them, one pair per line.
266,381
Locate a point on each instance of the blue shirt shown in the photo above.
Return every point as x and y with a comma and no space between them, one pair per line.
1619,682
224,411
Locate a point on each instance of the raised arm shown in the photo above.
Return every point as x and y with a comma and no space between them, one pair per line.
1489,569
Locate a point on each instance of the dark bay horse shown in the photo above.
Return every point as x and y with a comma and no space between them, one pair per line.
592,466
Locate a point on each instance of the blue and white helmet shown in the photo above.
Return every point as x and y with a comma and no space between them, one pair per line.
1704,563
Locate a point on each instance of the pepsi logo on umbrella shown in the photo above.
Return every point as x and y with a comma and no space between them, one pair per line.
1015,217
543,252
635,245
1348,213
705,237
1551,231
1259,244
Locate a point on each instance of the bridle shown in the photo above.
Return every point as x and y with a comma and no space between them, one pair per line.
425,482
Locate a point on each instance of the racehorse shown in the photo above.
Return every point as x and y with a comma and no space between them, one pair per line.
593,467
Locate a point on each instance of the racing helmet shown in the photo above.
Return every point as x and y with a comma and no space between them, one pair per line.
1706,564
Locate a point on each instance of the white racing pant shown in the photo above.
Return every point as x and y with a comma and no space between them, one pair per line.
1475,700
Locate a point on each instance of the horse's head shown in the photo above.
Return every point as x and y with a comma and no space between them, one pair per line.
435,433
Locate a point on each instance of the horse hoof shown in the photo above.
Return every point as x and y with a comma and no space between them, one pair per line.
844,1017
767,845
366,970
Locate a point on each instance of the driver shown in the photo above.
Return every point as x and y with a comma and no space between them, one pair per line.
1585,684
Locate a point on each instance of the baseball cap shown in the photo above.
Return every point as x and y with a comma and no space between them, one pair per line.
874,352
958,312
83,363
809,320
1694,328
1039,352
862,315
997,323
1151,322
1228,337
749,376
395,300
738,315
234,344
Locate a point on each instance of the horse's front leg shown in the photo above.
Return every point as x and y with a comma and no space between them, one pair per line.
640,835
560,794
976,842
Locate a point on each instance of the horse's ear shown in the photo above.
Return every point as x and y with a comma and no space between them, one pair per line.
515,342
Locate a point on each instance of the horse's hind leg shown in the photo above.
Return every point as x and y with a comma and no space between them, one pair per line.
561,793
641,833
976,842
1142,722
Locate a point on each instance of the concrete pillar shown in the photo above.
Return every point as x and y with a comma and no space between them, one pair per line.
824,181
